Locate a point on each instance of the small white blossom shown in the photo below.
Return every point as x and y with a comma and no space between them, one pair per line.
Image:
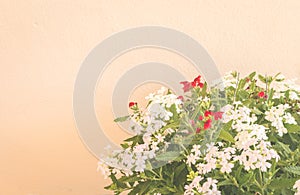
297,187
103,168
277,116
160,138
226,166
191,159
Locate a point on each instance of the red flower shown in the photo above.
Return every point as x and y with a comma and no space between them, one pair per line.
200,85
197,82
217,115
132,104
186,86
200,118
180,97
197,79
207,113
198,130
261,94
207,124
194,84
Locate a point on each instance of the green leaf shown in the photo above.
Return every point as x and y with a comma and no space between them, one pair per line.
113,186
262,78
245,178
226,136
135,139
257,111
292,128
168,156
133,178
293,169
241,84
121,119
282,183
285,147
140,188
252,75
243,94
174,111
226,183
204,90
125,145
227,126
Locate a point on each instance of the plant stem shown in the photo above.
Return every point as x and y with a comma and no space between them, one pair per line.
261,183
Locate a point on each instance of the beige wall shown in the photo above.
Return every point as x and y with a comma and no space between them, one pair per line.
43,42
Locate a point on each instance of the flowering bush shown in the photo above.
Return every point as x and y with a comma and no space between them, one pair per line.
240,136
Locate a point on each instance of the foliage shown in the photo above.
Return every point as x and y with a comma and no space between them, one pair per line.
240,136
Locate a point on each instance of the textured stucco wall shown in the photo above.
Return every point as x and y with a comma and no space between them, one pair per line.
43,42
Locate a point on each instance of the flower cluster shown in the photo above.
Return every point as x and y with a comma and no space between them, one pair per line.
208,187
277,115
238,137
213,158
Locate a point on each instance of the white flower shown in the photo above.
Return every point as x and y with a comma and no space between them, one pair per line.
230,150
140,163
154,146
209,187
258,158
259,132
169,131
196,150
151,154
297,187
293,95
188,190
289,119
159,112
160,138
211,165
191,159
127,158
103,168
226,166
244,140
139,148
147,138
248,158
277,117
165,100
135,127
263,165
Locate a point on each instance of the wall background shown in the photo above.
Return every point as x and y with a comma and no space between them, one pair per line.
43,42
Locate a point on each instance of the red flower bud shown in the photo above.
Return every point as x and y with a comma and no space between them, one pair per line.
207,113
132,104
261,94
207,124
